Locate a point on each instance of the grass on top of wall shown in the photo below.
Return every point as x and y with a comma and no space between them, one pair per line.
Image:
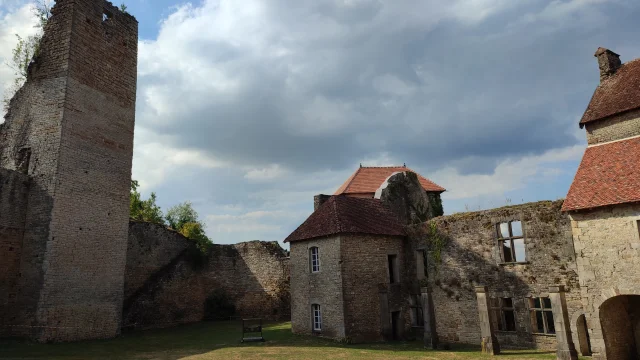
221,340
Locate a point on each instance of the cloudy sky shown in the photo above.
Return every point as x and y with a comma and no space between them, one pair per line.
249,108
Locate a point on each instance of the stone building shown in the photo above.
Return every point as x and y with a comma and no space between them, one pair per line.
65,151
375,269
604,206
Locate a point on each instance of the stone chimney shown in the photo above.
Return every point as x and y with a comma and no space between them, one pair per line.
608,62
318,200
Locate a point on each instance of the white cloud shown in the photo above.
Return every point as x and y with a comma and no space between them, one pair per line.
508,175
272,172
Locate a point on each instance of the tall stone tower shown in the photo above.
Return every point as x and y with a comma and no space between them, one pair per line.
70,131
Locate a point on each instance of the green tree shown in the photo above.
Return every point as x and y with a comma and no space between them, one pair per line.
144,210
183,218
123,8
27,49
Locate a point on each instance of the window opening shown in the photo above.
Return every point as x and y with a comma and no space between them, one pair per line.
22,160
421,264
504,315
511,241
106,15
416,311
314,258
393,268
317,317
541,315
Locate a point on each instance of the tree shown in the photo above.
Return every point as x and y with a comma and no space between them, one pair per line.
144,210
27,49
183,218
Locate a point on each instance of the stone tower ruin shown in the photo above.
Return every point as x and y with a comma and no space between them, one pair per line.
65,168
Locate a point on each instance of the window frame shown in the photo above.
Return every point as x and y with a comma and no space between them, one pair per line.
416,311
498,310
314,263
511,241
533,310
316,320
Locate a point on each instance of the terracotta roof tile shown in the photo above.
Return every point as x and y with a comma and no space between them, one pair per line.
617,94
368,179
609,174
345,214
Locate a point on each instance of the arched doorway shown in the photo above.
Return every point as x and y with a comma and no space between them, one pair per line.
584,343
620,320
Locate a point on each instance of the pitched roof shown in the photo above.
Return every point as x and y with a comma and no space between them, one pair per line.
616,94
368,180
609,174
345,214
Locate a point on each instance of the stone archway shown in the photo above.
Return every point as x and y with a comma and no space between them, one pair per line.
620,321
584,342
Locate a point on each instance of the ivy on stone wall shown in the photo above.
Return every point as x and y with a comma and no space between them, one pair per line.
436,204
436,243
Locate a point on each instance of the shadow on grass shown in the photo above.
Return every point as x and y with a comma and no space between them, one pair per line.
206,337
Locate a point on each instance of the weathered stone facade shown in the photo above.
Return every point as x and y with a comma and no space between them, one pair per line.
168,280
607,244
70,129
616,127
472,257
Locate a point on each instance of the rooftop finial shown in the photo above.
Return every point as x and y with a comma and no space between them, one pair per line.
360,164
404,164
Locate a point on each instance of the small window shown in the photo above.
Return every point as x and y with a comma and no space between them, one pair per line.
417,319
314,259
511,241
421,265
393,268
106,15
504,315
22,160
317,317
541,316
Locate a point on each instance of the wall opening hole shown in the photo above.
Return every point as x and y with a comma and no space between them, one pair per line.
106,15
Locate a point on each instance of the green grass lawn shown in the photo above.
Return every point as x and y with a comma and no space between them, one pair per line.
220,340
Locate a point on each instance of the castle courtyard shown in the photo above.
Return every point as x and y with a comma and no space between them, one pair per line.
221,340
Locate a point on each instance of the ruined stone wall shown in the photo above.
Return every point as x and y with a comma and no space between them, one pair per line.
14,190
607,246
70,128
471,257
323,288
168,280
614,128
369,297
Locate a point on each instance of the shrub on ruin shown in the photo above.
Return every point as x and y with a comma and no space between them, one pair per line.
144,210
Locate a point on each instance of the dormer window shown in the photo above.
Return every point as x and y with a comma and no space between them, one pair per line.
314,259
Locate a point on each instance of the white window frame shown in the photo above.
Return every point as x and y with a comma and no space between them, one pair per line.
314,259
316,317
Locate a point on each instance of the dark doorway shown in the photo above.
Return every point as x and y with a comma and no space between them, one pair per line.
395,325
583,336
620,320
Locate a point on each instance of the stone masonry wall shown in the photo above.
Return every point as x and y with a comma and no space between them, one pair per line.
168,280
365,275
614,128
323,288
14,190
607,245
471,257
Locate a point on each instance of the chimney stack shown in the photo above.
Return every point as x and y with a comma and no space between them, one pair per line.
318,200
608,62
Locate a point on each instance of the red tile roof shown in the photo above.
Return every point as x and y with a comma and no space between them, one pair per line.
368,179
609,174
348,215
617,94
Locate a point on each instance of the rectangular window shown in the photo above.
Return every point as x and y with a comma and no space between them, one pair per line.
393,268
503,313
314,259
511,241
541,316
417,319
421,264
317,317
